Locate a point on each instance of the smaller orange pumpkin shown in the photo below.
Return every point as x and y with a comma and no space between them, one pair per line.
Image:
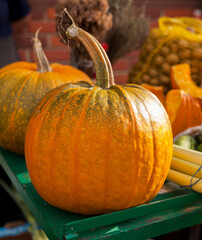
183,110
181,79
22,85
156,90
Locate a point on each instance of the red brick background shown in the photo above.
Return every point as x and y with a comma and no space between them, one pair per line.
43,15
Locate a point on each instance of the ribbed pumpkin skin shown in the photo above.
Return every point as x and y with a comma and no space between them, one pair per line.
91,150
183,110
21,88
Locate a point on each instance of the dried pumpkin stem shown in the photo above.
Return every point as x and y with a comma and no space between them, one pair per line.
104,73
40,57
111,74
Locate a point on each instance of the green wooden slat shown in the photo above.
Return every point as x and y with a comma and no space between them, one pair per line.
149,226
128,214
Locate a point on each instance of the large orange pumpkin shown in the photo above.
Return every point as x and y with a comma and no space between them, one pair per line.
96,149
22,85
183,110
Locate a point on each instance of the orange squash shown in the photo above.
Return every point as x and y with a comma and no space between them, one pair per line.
22,85
97,149
183,110
181,79
156,90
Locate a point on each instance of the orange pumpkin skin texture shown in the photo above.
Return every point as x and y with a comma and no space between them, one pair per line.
21,88
156,90
91,150
183,110
181,79
97,149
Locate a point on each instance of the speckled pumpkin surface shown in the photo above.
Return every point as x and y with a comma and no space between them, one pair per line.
97,149
91,150
22,85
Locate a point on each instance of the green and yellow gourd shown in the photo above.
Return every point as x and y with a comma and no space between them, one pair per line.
97,149
22,85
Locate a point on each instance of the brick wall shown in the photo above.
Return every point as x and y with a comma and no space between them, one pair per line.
43,15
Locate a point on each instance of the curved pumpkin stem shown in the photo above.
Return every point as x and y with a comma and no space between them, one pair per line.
40,57
104,73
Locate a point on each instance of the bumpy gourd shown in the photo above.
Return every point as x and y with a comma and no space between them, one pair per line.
97,149
181,79
22,85
183,110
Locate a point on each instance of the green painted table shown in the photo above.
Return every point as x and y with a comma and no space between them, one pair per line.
172,209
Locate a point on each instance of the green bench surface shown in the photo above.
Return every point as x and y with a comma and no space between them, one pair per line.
172,209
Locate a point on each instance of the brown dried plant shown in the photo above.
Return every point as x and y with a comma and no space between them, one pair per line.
90,15
129,31
116,22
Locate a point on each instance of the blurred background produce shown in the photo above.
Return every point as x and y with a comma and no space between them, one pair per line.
176,41
190,142
45,14
110,22
190,138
